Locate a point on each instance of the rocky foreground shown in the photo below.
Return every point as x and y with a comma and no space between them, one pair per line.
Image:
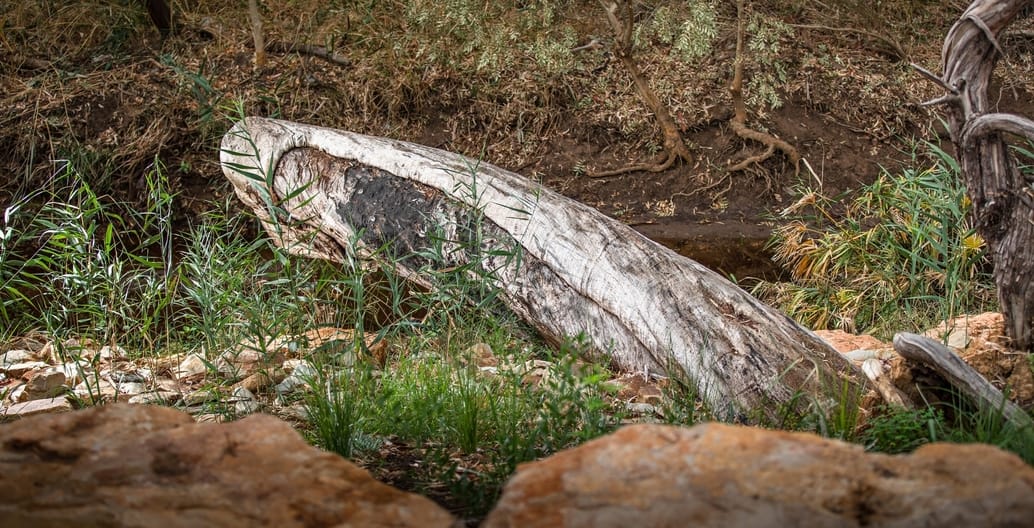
139,464
143,465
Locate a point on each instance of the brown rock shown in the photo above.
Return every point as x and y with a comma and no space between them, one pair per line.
844,342
729,476
46,383
262,380
142,466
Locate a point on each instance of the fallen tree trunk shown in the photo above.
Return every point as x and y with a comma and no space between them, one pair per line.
334,195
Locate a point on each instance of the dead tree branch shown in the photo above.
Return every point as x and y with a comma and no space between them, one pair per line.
1003,201
319,52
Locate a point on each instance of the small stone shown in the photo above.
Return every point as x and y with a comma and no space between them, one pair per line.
113,352
244,402
44,406
73,371
142,375
158,397
13,357
47,383
15,395
19,370
193,365
70,349
101,390
261,380
303,372
242,394
168,385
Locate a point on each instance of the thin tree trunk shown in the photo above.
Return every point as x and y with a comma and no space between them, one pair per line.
330,194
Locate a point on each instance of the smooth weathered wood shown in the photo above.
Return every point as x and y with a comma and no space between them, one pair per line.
873,369
960,375
642,306
1003,202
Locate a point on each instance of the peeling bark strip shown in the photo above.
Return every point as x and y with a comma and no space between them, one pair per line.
643,306
1003,202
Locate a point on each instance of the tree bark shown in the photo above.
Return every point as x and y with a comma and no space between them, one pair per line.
337,195
1003,202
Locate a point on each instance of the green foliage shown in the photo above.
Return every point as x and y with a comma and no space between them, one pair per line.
895,430
689,29
75,266
766,35
493,38
902,255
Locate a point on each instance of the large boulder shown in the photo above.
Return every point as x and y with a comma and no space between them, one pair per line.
145,466
729,476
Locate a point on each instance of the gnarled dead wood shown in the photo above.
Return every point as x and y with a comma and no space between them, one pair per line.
1003,201
956,372
643,307
873,369
739,118
619,15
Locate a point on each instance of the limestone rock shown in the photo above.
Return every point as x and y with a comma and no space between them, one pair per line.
141,466
302,373
192,365
19,370
261,380
102,391
12,357
46,383
34,407
715,475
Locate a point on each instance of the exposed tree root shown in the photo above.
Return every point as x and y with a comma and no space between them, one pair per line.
739,118
674,147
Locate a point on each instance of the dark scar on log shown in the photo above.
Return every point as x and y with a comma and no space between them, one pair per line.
403,216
